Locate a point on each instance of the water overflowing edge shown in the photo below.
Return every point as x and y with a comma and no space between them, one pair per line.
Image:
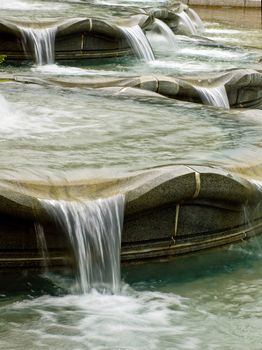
93,229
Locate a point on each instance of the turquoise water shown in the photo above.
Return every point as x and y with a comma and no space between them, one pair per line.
205,301
208,301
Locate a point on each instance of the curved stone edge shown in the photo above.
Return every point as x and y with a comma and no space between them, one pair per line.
191,183
145,190
7,27
243,86
169,211
100,26
166,250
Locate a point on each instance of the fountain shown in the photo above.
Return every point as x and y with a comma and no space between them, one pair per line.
130,210
92,38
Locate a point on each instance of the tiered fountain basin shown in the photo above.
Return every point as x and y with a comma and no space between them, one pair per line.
90,38
239,88
169,211
96,38
82,38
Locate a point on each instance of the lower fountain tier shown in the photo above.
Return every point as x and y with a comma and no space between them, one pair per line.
169,211
236,88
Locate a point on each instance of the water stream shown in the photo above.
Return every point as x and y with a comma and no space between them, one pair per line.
41,42
199,23
188,24
139,43
214,96
94,230
166,32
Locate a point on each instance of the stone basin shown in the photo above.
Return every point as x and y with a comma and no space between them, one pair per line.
89,38
168,212
243,87
76,38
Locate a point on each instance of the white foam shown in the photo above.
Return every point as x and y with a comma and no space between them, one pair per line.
55,69
129,320
214,53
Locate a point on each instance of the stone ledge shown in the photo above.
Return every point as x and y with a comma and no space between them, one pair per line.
235,3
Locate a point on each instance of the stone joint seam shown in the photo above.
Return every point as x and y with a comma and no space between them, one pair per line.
198,185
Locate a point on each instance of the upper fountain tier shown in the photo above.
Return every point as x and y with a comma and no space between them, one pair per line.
87,38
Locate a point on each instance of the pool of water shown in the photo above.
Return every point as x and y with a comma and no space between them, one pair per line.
208,301
48,131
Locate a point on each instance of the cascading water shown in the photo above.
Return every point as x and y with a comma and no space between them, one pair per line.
187,23
214,96
138,42
94,230
41,243
165,31
196,19
41,42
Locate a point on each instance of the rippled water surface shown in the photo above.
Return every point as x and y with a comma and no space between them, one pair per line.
210,301
50,130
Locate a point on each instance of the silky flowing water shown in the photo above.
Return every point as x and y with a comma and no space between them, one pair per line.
206,301
139,43
41,42
94,230
214,96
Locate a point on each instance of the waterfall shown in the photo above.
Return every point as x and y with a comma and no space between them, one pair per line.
196,19
187,23
41,42
166,31
214,96
94,231
138,42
